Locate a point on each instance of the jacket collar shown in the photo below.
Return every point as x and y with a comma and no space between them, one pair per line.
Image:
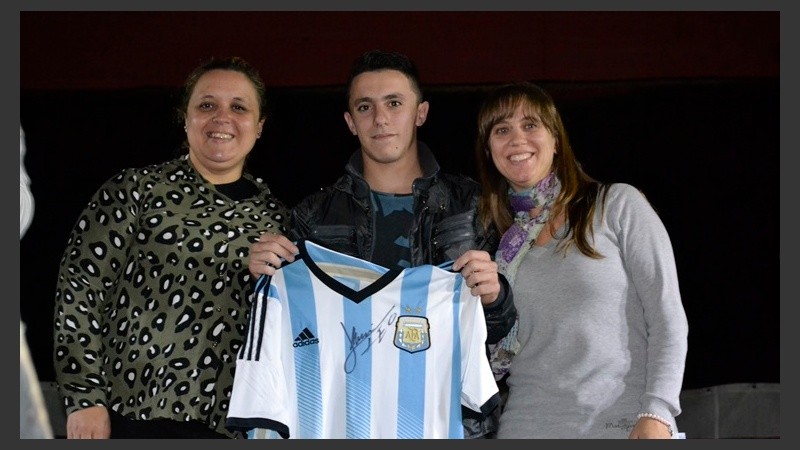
430,168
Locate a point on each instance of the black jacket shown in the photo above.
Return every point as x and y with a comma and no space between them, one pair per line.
445,225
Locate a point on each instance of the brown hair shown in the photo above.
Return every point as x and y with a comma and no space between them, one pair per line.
579,191
232,63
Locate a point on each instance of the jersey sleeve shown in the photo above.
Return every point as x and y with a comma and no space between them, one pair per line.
479,388
260,397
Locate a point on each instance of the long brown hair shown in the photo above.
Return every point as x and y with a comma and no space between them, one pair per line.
579,192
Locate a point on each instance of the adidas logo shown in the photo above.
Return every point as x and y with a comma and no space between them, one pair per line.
306,337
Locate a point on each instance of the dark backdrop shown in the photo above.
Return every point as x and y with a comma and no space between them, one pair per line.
678,105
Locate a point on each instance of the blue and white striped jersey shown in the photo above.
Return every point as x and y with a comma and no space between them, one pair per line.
339,347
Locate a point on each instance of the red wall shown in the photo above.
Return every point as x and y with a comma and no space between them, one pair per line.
108,50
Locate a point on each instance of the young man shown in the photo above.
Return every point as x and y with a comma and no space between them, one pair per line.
393,206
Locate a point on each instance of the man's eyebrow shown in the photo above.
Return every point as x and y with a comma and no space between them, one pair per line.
390,96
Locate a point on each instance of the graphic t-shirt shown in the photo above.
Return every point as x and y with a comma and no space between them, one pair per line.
393,221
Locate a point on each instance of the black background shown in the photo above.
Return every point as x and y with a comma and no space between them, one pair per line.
684,106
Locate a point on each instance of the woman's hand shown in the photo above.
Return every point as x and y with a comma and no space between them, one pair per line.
89,423
647,428
480,272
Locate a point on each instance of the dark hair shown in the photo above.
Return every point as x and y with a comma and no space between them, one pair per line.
579,192
232,63
379,60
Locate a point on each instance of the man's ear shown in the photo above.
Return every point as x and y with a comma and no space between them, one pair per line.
422,113
349,119
260,127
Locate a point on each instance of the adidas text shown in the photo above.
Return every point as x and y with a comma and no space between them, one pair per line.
306,342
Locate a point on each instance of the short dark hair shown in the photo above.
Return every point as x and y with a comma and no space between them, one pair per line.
379,60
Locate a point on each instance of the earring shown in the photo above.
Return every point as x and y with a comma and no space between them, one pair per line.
184,129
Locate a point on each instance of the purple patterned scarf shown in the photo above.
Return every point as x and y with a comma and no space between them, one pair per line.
523,232
514,244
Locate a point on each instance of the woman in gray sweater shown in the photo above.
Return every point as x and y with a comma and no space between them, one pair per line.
600,344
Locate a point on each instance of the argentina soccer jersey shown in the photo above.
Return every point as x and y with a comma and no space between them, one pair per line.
338,347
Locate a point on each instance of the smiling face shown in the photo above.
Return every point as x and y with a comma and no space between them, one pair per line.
222,124
384,112
522,148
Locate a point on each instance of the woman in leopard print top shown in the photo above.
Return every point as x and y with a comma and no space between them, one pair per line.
153,287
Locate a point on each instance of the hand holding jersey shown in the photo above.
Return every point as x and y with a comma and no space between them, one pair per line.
390,355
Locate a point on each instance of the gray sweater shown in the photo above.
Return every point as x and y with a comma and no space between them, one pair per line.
602,339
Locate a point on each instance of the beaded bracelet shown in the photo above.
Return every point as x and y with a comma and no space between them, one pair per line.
657,418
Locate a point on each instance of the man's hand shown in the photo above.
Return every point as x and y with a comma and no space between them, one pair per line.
266,254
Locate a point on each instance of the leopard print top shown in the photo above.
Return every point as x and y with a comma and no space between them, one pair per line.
153,294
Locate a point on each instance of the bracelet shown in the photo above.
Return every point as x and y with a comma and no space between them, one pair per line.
658,418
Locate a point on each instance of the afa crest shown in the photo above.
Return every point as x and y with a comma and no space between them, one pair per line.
412,334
